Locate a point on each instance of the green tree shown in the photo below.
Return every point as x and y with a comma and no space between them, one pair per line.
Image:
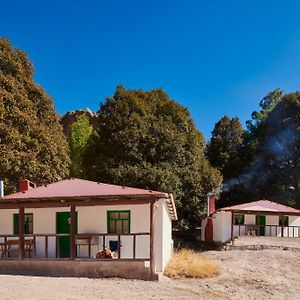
225,148
279,152
256,127
146,140
80,133
272,162
31,139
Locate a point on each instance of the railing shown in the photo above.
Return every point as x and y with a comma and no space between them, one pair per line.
9,244
100,240
48,246
266,230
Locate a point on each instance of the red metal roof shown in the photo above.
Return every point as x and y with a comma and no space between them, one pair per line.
75,188
262,205
81,188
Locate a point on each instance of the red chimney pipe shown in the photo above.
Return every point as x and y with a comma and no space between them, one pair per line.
25,185
211,203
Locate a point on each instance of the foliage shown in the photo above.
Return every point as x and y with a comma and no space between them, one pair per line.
146,140
225,147
31,138
270,153
72,116
80,133
189,264
279,152
256,127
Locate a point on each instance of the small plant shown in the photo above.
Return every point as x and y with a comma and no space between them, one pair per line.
189,264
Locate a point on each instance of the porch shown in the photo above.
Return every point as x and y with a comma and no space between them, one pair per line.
266,230
80,253
264,224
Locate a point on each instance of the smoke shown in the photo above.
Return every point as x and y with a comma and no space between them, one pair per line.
276,151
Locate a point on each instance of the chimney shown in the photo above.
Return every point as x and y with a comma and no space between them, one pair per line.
25,185
1,189
211,203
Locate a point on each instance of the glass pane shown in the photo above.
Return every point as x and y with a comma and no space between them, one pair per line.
119,226
28,224
124,215
239,219
125,226
114,215
286,221
112,227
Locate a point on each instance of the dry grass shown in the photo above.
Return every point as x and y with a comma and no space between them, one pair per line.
189,264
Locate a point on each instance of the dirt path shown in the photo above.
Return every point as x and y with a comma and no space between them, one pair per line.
267,274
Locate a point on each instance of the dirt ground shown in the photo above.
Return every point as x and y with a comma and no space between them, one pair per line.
266,274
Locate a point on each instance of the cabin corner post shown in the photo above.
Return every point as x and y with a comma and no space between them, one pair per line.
21,219
282,225
232,219
72,232
152,231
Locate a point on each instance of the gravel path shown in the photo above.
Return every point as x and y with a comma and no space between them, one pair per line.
267,274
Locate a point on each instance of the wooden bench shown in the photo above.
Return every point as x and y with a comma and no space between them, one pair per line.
12,246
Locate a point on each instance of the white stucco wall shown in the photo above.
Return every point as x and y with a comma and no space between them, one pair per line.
163,238
167,236
222,226
94,220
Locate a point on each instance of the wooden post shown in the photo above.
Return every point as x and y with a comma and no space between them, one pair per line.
119,246
103,246
152,230
34,246
46,246
134,247
282,224
21,232
89,249
5,247
72,232
232,238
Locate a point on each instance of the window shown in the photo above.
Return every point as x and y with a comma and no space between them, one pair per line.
239,219
284,221
28,223
118,221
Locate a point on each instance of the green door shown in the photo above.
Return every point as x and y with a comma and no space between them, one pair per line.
261,222
63,226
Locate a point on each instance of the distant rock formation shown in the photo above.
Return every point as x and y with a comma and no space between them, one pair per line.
72,116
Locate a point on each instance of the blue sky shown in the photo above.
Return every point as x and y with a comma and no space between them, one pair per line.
215,57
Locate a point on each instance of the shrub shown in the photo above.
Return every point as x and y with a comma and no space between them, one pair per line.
189,264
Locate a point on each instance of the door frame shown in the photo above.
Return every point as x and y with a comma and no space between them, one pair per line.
59,239
261,229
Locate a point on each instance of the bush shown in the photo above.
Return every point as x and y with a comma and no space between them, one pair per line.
189,264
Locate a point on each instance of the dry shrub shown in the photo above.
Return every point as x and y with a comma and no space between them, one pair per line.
189,264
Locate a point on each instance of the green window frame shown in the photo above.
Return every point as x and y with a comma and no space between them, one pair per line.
28,223
239,219
118,221
284,221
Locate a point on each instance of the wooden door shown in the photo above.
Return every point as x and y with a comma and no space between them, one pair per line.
261,222
63,226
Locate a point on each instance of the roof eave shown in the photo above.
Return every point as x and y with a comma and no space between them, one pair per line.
266,212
